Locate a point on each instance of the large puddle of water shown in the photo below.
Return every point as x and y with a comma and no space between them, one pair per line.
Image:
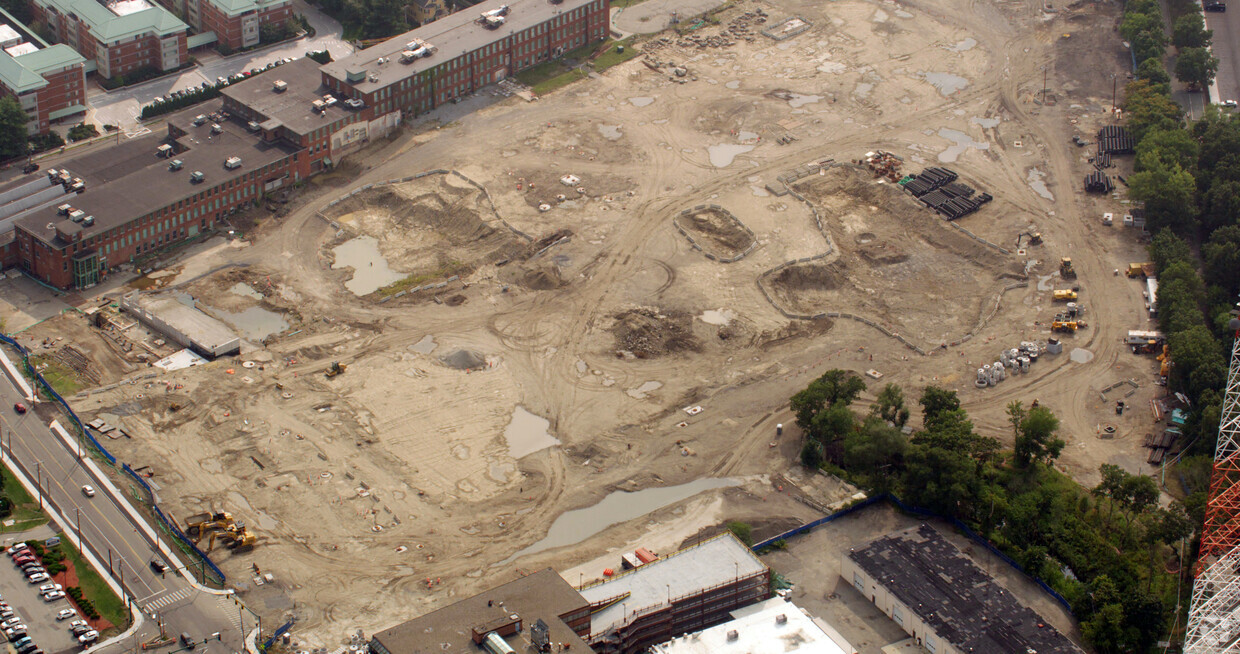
1080,355
610,132
1037,182
962,143
963,46
619,506
946,83
640,392
718,317
255,323
245,290
370,269
722,155
527,434
988,123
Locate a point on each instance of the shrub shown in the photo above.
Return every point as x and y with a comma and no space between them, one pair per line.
743,531
82,131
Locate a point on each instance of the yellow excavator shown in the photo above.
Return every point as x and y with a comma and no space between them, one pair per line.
1164,359
234,538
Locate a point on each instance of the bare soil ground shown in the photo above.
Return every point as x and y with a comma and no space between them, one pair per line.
406,460
718,232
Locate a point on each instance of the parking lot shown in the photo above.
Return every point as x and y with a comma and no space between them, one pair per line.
51,635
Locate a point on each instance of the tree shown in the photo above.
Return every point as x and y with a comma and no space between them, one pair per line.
875,451
1199,362
832,387
889,405
941,480
1167,147
1147,106
1036,441
1152,71
12,129
1169,193
1111,486
935,401
1135,24
832,424
1196,66
952,431
1222,253
1149,45
1167,248
743,531
1189,31
1222,205
1140,492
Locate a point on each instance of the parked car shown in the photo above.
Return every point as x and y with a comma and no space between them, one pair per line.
6,613
53,595
38,578
1231,104
88,490
31,567
188,642
28,648
89,637
78,623
65,614
19,408
22,641
80,629
15,634
8,624
47,588
14,550
23,559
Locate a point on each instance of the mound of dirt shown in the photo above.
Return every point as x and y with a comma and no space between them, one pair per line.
809,277
542,279
719,232
648,333
464,360
455,300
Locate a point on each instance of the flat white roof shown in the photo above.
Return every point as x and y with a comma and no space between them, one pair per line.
712,563
21,49
759,631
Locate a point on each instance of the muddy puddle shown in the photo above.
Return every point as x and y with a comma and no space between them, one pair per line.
619,506
527,434
370,269
722,155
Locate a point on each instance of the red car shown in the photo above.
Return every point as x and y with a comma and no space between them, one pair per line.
19,407
24,557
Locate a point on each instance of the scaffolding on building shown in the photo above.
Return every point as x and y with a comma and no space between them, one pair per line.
1214,614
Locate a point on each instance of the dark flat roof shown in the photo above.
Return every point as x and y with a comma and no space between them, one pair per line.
128,180
960,602
543,595
291,107
453,35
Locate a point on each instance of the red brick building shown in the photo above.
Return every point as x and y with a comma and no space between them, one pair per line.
463,52
236,23
49,83
189,179
122,36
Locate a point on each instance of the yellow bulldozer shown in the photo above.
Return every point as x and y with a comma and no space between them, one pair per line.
1068,326
200,525
1065,268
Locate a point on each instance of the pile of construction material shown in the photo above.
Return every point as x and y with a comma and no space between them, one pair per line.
1098,182
882,164
1116,139
1160,444
1012,361
938,189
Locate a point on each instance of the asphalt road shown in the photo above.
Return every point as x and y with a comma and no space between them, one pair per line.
115,539
122,106
1226,26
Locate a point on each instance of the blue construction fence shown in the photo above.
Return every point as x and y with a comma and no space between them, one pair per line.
277,633
51,392
172,525
916,510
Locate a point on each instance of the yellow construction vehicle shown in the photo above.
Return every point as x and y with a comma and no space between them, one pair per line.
1065,268
1140,270
1164,359
1067,326
197,526
336,369
234,538
1065,296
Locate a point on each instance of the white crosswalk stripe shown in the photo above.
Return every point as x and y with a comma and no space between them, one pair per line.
165,600
231,610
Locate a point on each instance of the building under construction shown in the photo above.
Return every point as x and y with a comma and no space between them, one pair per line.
693,589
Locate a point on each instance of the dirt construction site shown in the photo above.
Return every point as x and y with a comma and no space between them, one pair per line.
618,286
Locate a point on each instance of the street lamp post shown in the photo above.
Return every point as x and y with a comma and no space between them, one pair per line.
38,483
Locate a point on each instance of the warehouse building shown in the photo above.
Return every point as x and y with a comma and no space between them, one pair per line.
145,194
693,589
465,51
526,615
942,599
773,626
121,36
183,323
49,82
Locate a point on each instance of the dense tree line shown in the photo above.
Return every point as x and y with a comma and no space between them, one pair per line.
1106,549
367,19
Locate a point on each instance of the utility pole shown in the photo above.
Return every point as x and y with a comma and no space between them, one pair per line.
38,483
1114,83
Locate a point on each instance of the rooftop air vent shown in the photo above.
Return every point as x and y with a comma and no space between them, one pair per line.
781,619
232,163
88,221
733,635
280,86
164,150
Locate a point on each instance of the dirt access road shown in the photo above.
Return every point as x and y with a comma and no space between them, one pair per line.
408,480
